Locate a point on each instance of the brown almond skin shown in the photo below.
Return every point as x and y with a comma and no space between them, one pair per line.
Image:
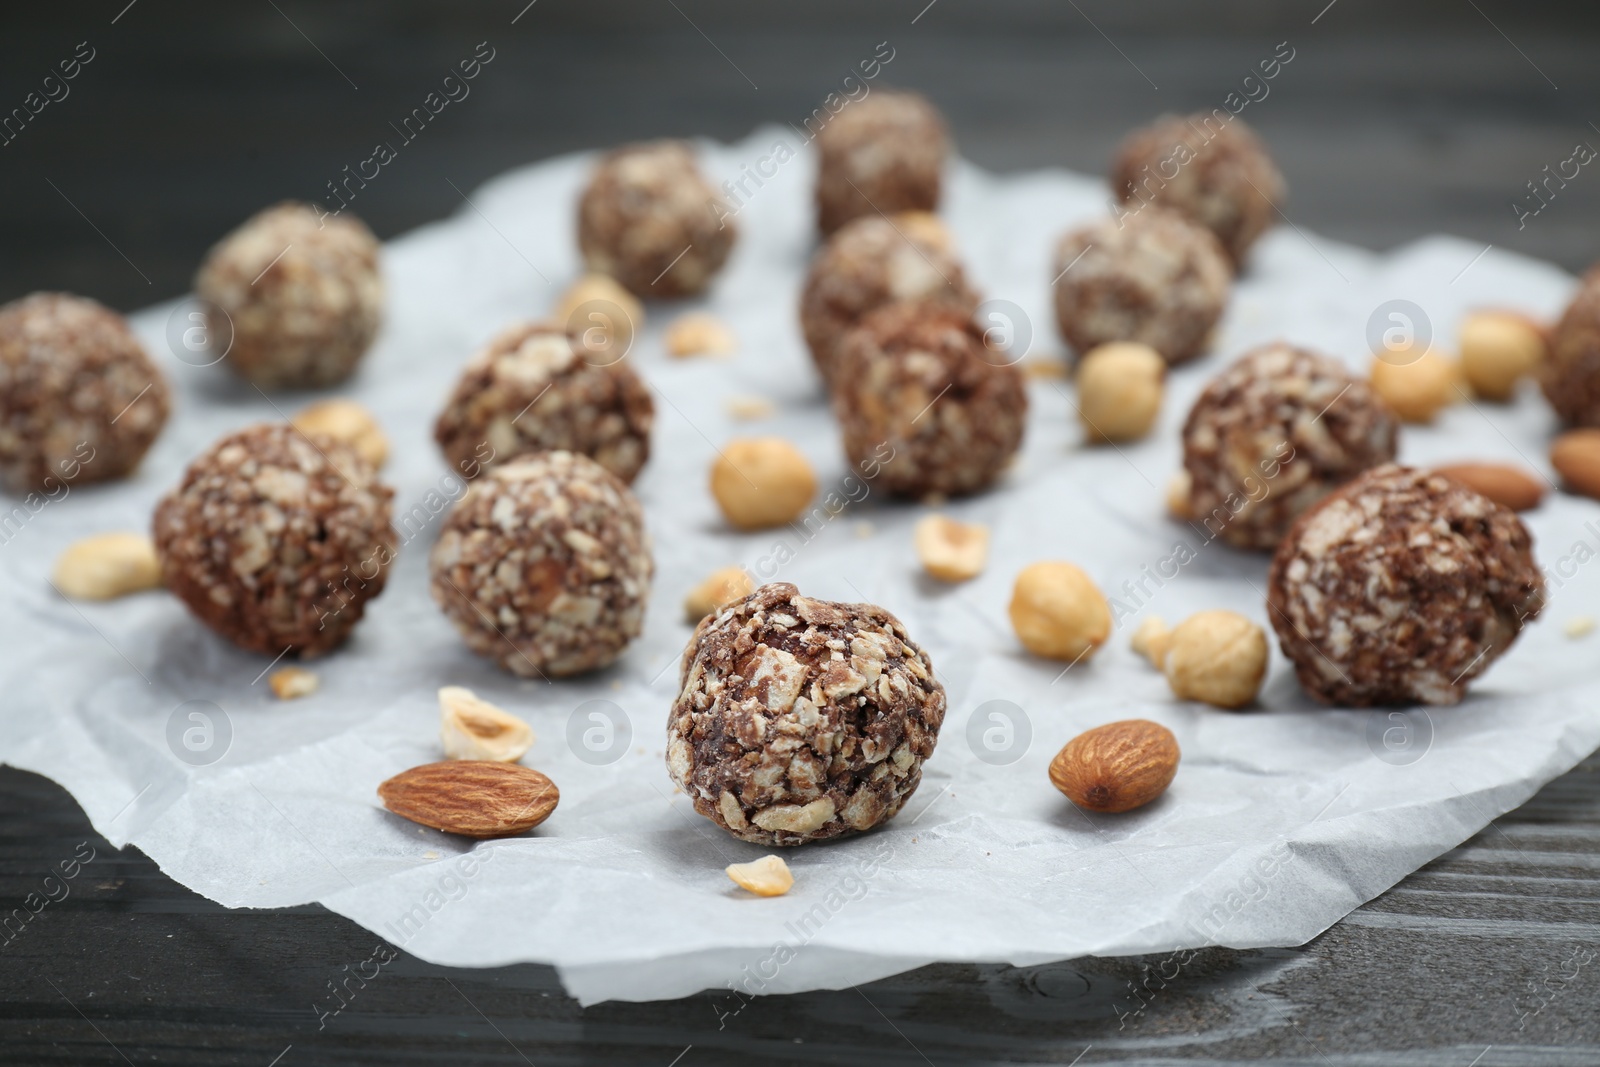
473,798
1576,456
1116,767
1506,485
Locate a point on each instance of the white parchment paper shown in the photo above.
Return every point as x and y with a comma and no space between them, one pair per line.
1280,821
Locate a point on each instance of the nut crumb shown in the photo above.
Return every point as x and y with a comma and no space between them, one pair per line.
292,683
1579,626
951,551
750,408
700,333
768,876
471,728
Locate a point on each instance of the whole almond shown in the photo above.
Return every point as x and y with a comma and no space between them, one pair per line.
1116,767
474,798
1506,485
1576,456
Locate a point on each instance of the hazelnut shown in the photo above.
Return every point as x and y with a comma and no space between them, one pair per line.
107,566
761,482
1217,657
1058,612
722,587
1151,639
603,315
1419,390
292,683
471,728
1119,390
347,421
1499,349
951,551
768,876
700,333
926,227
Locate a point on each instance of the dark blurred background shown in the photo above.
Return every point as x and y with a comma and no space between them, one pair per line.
1394,119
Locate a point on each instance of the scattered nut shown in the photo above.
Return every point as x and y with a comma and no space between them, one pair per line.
596,291
722,587
1218,657
750,408
1045,369
1116,767
1506,485
292,683
761,482
347,421
1499,349
1576,457
1119,390
1178,497
864,530
1419,390
700,333
951,551
107,566
924,226
1579,626
473,798
1058,612
472,728
1151,639
768,876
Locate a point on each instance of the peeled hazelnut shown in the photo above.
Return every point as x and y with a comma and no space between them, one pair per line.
474,729
1151,639
1058,612
1178,496
1119,390
1419,390
347,421
768,876
951,551
1217,657
597,301
722,587
700,334
926,227
1499,349
107,566
761,482
292,683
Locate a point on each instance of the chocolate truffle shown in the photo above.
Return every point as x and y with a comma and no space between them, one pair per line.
871,262
298,292
925,407
1571,375
1401,588
1210,167
878,156
80,400
277,540
533,388
544,565
1154,277
799,720
651,221
1273,434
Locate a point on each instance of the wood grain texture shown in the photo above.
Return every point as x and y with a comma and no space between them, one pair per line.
1393,121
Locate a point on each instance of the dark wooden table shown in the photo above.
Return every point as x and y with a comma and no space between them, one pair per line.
1393,121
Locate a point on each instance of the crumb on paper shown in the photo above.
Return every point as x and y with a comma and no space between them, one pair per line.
292,683
750,408
768,876
1045,369
1580,626
430,855
700,333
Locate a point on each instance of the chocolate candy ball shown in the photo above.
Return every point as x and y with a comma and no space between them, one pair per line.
799,720
1571,374
299,293
1401,588
651,221
880,155
1273,434
1154,277
533,388
1217,173
875,261
277,540
80,400
544,565
925,407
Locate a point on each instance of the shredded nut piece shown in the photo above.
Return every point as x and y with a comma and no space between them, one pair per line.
107,566
700,333
472,728
292,683
721,587
768,876
951,551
